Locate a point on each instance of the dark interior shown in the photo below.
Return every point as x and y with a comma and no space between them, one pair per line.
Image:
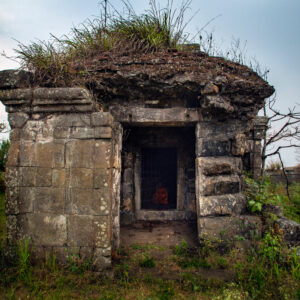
159,178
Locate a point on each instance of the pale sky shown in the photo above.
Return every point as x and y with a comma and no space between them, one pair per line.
271,29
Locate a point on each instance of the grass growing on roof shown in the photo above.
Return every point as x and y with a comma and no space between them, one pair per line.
62,57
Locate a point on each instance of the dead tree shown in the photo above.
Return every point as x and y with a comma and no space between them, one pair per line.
281,127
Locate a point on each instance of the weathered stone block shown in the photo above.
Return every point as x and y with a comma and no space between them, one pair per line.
128,160
28,176
212,166
101,178
12,229
88,231
212,148
32,176
17,120
25,201
12,201
101,262
13,158
12,175
218,168
239,145
81,178
42,154
61,132
71,120
82,133
43,177
14,134
12,79
101,119
80,153
220,185
128,175
60,177
127,190
44,229
103,132
228,227
88,201
49,200
290,230
102,158
230,204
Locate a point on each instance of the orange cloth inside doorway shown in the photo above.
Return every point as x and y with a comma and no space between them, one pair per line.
160,196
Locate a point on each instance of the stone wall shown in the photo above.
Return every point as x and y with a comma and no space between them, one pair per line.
221,205
60,173
71,168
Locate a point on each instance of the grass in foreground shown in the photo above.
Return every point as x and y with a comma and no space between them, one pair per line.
268,271
214,270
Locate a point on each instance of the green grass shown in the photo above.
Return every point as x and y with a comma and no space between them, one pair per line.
269,270
60,59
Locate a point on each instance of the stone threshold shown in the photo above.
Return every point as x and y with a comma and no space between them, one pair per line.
161,215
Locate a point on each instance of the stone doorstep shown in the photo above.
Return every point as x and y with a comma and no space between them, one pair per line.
162,215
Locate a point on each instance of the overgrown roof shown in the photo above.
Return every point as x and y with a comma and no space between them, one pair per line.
139,57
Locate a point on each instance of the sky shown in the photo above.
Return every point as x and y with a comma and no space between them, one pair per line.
269,28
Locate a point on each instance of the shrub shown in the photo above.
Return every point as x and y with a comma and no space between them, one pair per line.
269,267
147,262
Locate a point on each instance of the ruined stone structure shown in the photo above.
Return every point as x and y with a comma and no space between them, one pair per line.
167,140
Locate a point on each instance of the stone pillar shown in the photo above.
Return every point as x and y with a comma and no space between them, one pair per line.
220,201
259,129
60,173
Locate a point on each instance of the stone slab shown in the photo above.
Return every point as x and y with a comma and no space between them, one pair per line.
49,200
44,229
230,204
80,154
220,185
228,227
101,119
81,178
101,178
88,202
42,154
88,231
103,152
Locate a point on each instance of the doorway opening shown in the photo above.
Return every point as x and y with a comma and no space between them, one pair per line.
159,178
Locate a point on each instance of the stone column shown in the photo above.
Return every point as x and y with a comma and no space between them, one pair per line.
60,173
259,129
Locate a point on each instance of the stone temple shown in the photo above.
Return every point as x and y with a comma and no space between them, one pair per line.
154,137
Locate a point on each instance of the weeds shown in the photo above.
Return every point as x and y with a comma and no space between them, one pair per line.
269,263
60,59
76,264
25,268
147,262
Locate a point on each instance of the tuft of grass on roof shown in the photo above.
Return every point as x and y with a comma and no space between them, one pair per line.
60,58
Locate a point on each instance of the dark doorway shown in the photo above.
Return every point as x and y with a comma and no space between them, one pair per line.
159,178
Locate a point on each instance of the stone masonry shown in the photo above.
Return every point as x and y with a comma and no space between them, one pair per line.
73,171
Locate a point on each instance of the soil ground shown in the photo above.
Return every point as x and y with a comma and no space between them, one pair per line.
167,234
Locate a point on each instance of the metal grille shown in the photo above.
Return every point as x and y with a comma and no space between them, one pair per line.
159,178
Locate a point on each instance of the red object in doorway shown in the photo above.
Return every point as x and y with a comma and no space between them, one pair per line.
160,196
